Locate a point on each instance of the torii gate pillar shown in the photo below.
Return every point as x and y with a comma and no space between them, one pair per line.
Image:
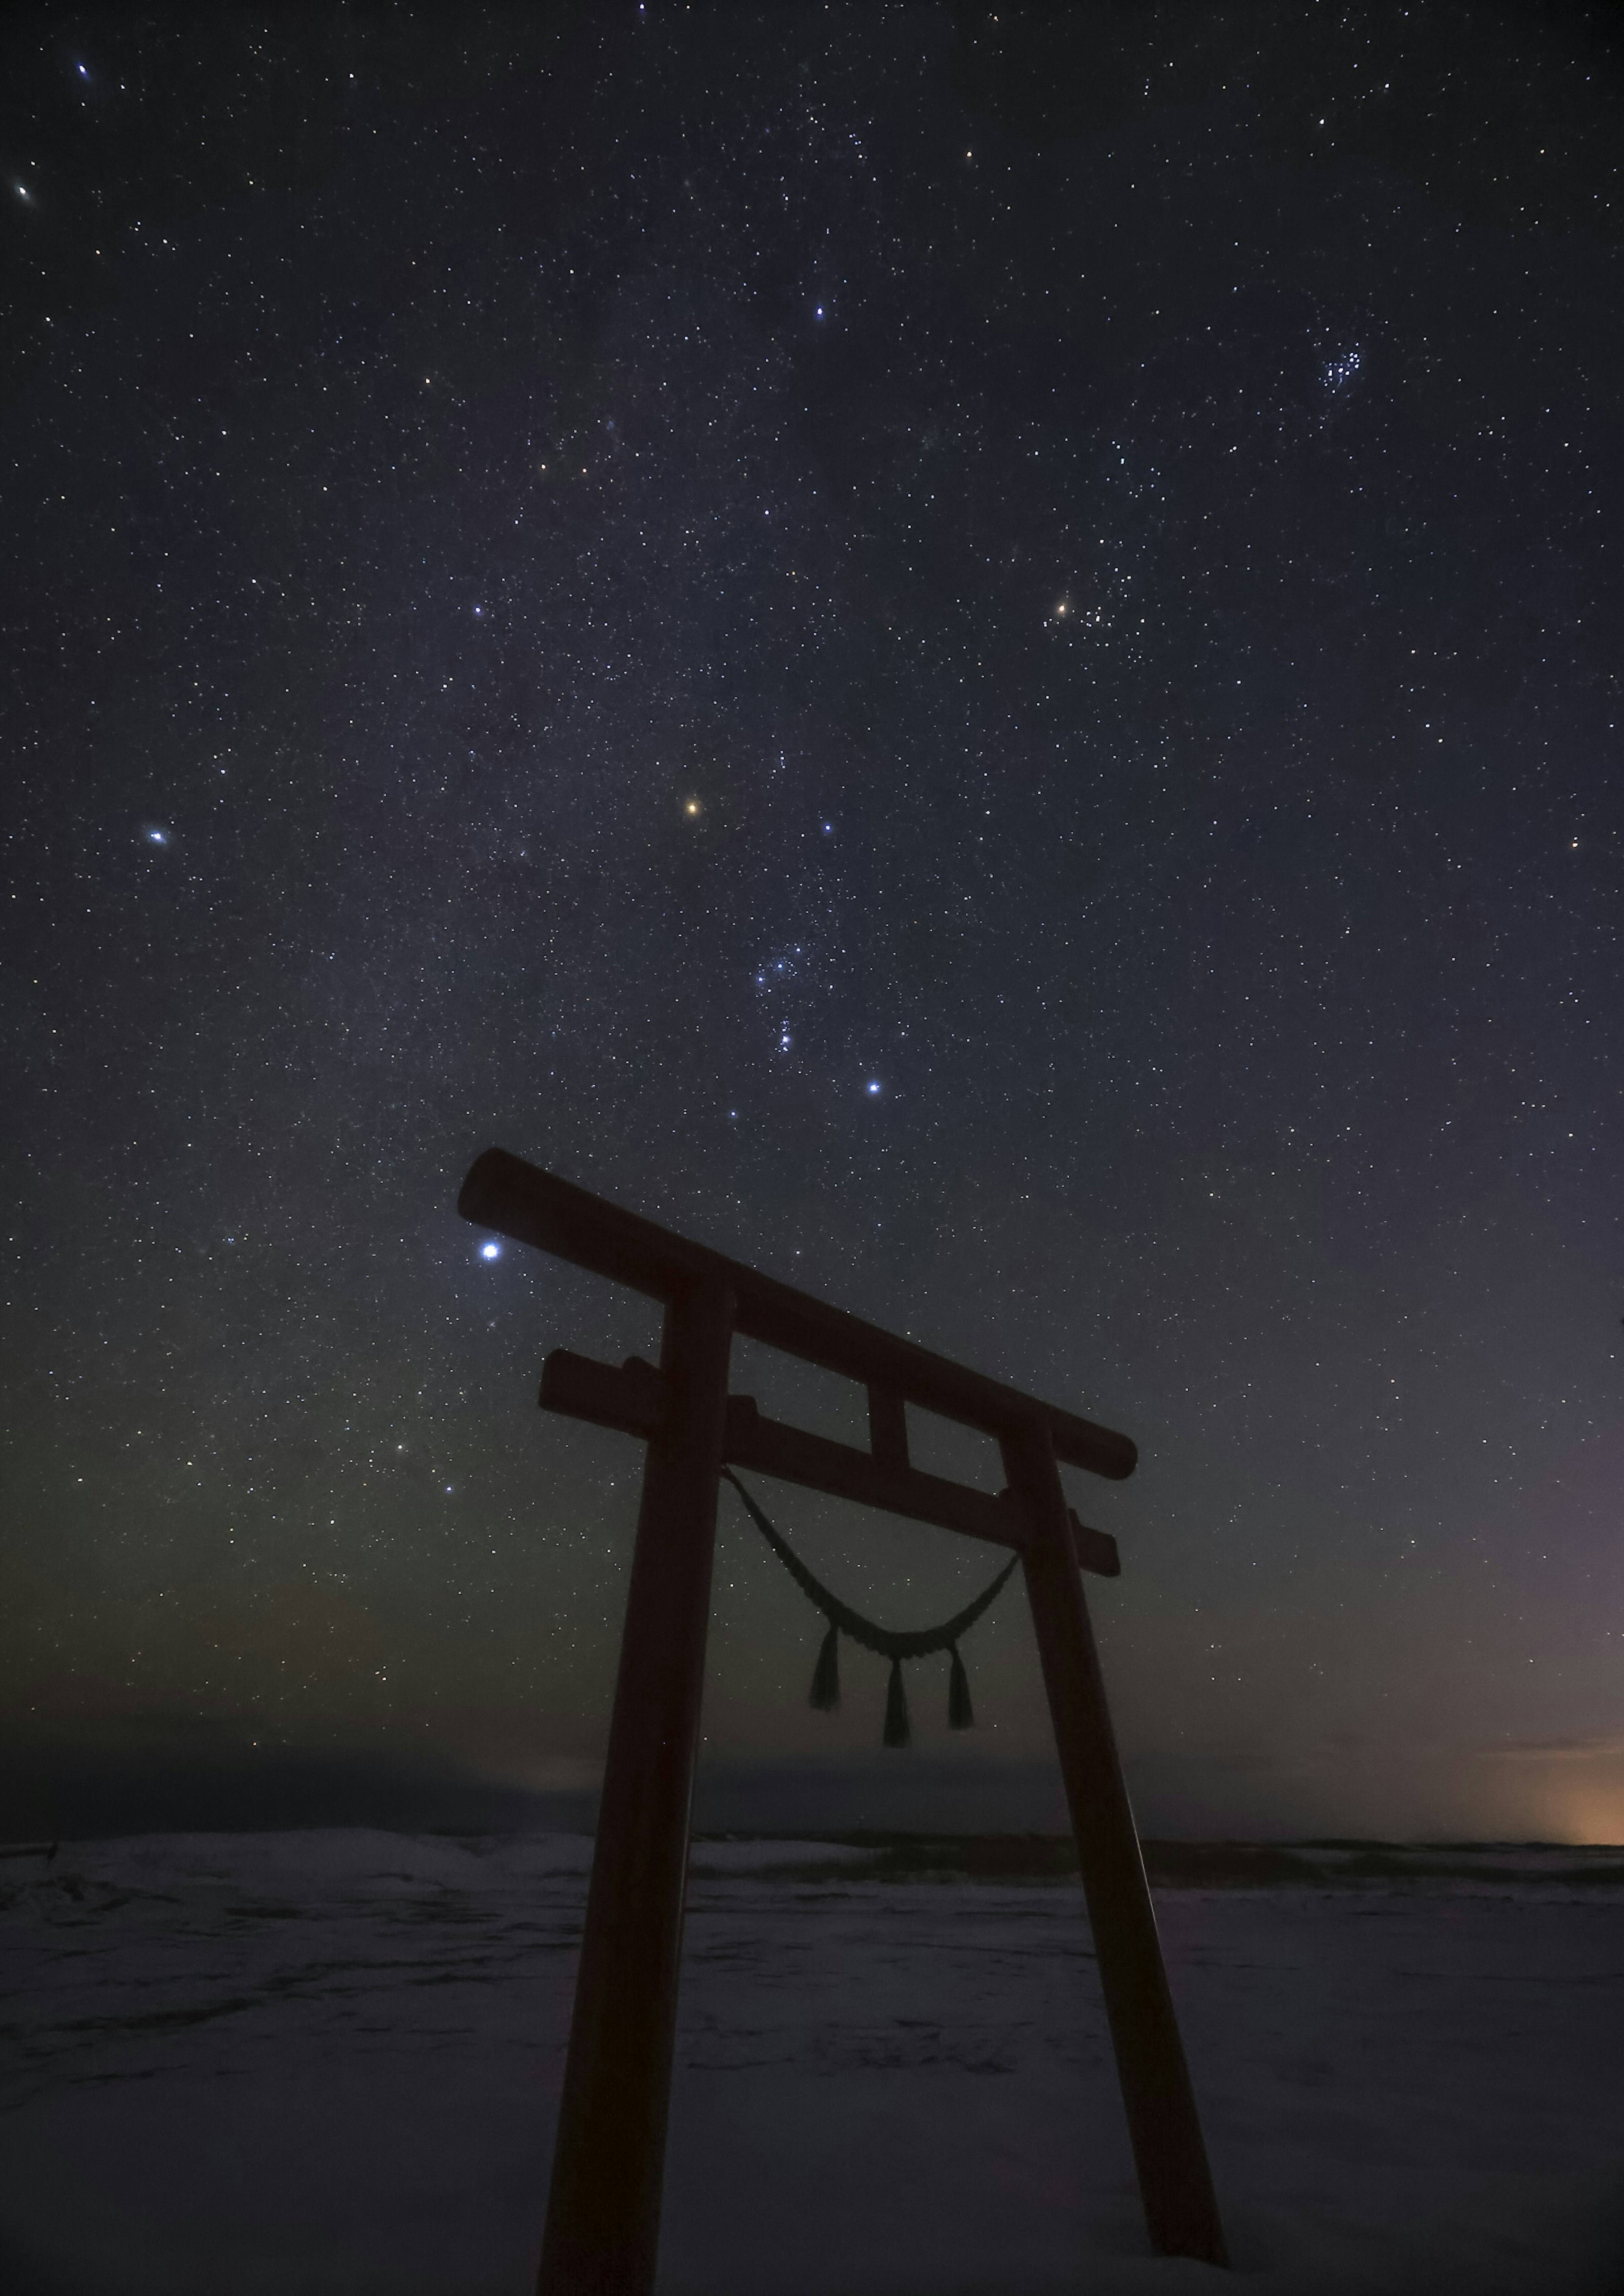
602,2225
1175,2182
604,2212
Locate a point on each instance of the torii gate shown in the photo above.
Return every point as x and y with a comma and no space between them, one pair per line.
602,2225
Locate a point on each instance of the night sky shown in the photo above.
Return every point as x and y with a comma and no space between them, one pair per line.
975,657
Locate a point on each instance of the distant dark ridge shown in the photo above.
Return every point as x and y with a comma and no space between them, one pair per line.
65,1792
1184,1865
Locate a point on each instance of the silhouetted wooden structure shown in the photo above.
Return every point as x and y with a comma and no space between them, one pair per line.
603,2210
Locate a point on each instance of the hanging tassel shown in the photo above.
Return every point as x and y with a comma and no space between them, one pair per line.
897,1730
961,1714
827,1674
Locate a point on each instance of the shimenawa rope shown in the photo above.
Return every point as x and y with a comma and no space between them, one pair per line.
826,1691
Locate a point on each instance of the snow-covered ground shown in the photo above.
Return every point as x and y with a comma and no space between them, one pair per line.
326,2064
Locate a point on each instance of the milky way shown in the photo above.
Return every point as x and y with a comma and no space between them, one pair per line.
974,656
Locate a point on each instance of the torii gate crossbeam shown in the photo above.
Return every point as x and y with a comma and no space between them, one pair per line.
604,2207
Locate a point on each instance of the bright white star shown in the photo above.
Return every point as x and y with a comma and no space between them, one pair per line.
491,1252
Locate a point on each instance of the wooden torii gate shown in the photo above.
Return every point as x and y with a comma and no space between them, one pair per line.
603,2224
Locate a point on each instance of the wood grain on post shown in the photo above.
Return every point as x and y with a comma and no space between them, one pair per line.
1175,2179
603,2224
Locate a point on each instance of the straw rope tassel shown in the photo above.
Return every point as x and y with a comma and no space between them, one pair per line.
897,1730
961,1714
827,1674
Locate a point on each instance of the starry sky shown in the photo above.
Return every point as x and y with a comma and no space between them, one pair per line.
975,656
